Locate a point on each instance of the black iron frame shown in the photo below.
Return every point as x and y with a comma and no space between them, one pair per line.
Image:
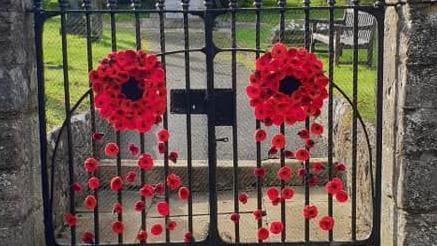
210,50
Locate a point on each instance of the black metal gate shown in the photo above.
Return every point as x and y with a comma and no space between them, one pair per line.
220,107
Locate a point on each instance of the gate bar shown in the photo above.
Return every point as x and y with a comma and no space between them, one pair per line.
161,5
354,121
257,4
232,7
112,4
281,5
63,5
185,6
87,6
331,4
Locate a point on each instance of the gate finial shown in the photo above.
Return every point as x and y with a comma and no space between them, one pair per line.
135,4
112,4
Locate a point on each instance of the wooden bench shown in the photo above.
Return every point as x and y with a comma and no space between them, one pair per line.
343,38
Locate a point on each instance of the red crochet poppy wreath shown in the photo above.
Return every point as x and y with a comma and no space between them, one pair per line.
129,90
287,86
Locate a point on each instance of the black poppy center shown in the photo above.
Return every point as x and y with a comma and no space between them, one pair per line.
131,90
288,85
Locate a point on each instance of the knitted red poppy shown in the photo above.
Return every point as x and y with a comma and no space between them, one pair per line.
129,89
287,85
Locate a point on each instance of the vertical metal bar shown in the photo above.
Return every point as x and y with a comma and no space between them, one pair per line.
185,5
354,120
281,5
112,4
379,124
136,4
331,4
307,120
161,6
87,6
233,6
257,4
63,5
210,51
38,29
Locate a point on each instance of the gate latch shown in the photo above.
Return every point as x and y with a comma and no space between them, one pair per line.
224,105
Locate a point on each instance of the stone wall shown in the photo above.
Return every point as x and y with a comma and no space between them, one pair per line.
20,195
342,131
409,194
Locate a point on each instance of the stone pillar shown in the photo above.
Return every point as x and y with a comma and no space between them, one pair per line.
409,195
20,197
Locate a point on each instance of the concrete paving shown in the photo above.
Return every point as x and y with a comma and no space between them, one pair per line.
248,226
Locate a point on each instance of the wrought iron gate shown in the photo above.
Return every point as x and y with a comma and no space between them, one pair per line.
220,107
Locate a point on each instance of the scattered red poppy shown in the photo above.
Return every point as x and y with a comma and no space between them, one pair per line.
303,133
287,193
341,196
87,237
301,172
272,151
70,219
272,193
90,164
162,135
302,154
235,217
131,176
284,173
76,187
339,167
278,141
173,181
90,202
183,193
316,128
159,188
147,190
129,89
309,143
142,235
276,201
326,223
97,136
334,186
243,197
117,227
263,234
111,149
173,156
260,135
133,149
310,211
145,161
259,172
312,180
288,154
161,147
257,214
116,183
171,225
93,183
139,206
162,208
156,229
188,237
317,167
276,227
117,208
287,86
